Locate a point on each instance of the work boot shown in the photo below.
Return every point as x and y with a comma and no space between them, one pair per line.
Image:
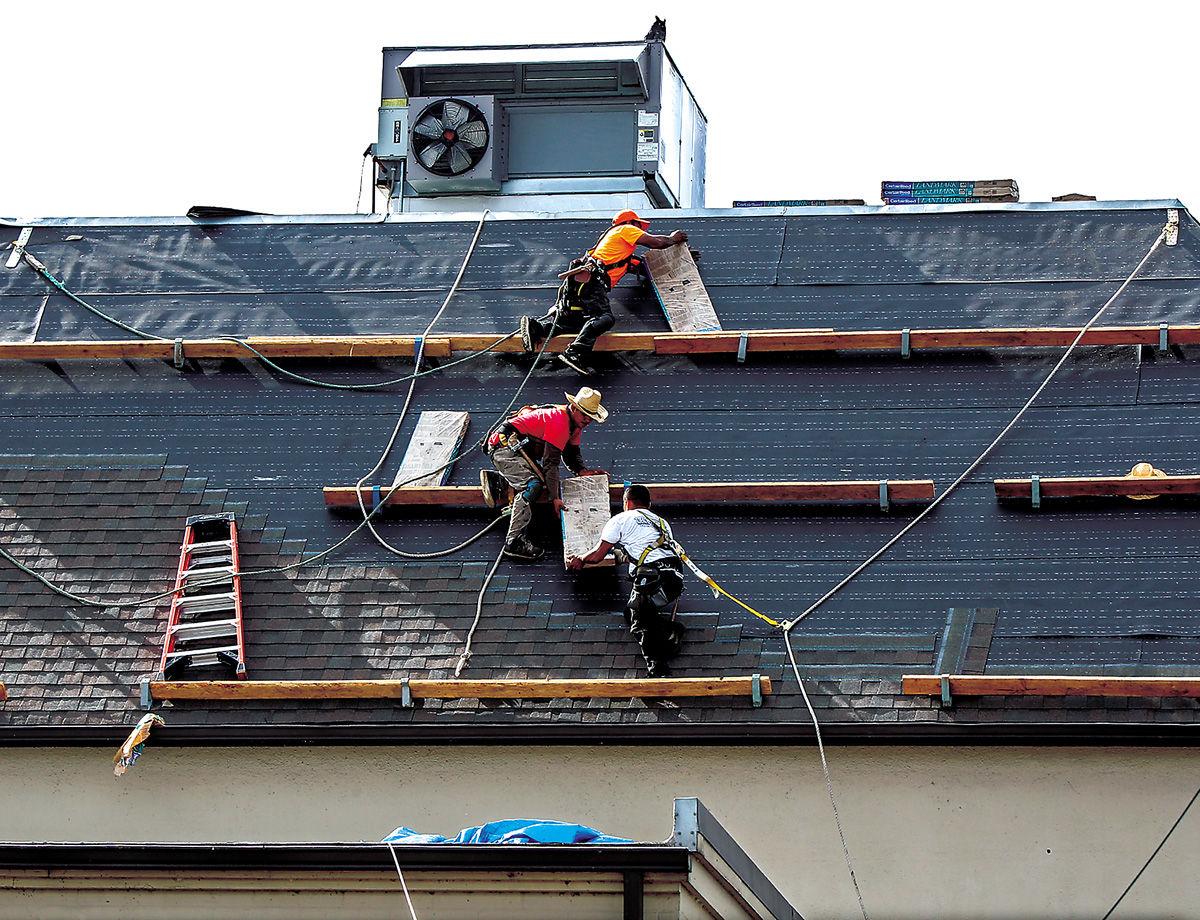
526,334
575,362
657,668
493,486
522,549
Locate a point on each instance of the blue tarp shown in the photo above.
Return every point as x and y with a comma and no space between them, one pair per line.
512,830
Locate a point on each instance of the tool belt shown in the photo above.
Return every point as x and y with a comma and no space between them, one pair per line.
647,576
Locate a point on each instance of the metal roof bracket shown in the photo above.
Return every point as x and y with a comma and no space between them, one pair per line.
1172,228
177,354
418,346
905,343
756,697
1035,491
147,700
406,699
18,247
884,501
947,699
1163,344
743,340
376,497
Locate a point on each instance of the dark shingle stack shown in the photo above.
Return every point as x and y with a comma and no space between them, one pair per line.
949,191
800,203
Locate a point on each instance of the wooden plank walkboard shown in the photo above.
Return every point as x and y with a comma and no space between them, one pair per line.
585,512
666,493
546,689
1001,685
682,294
677,342
1099,487
434,442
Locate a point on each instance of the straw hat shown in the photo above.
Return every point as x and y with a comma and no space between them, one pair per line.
587,401
1145,471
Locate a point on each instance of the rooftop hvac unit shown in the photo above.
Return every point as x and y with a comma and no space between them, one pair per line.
578,126
452,143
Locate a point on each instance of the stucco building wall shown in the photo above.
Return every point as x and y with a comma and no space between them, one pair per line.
936,831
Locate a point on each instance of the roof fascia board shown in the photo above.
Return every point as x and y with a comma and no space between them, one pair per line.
608,44
322,857
473,216
1035,734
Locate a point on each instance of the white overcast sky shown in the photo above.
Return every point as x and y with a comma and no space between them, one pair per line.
137,108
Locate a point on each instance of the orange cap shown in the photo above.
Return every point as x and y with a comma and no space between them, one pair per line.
630,217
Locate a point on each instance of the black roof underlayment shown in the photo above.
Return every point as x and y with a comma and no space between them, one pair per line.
102,461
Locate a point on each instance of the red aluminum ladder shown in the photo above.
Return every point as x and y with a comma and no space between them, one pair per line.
204,627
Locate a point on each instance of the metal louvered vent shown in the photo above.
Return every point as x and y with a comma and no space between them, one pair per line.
450,137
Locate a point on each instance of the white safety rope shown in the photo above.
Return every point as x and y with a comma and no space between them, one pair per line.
412,386
987,450
787,627
407,897
41,270
787,640
466,652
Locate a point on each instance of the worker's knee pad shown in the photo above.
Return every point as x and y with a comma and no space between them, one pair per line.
532,490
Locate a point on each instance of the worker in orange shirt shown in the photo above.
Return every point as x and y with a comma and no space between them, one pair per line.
582,305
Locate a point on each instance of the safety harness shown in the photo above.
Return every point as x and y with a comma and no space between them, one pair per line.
607,267
664,537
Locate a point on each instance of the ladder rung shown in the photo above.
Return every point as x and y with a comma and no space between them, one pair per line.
212,562
208,571
203,652
206,603
209,561
210,546
204,629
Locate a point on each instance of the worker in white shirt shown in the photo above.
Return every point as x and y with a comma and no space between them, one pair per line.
657,573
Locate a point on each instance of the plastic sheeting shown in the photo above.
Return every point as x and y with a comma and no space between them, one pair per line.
511,830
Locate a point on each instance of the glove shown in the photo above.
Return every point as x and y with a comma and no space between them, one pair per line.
558,505
513,442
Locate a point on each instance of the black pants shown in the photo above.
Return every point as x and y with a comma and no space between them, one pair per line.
650,606
589,328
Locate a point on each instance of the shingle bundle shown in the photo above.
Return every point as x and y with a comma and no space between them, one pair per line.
949,191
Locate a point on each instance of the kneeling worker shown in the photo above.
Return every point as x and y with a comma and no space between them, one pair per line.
526,449
657,572
582,304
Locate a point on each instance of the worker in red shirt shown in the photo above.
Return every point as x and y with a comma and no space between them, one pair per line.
526,449
582,305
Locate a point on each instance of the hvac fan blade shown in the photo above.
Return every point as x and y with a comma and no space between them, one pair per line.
474,134
429,126
460,160
431,154
454,114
